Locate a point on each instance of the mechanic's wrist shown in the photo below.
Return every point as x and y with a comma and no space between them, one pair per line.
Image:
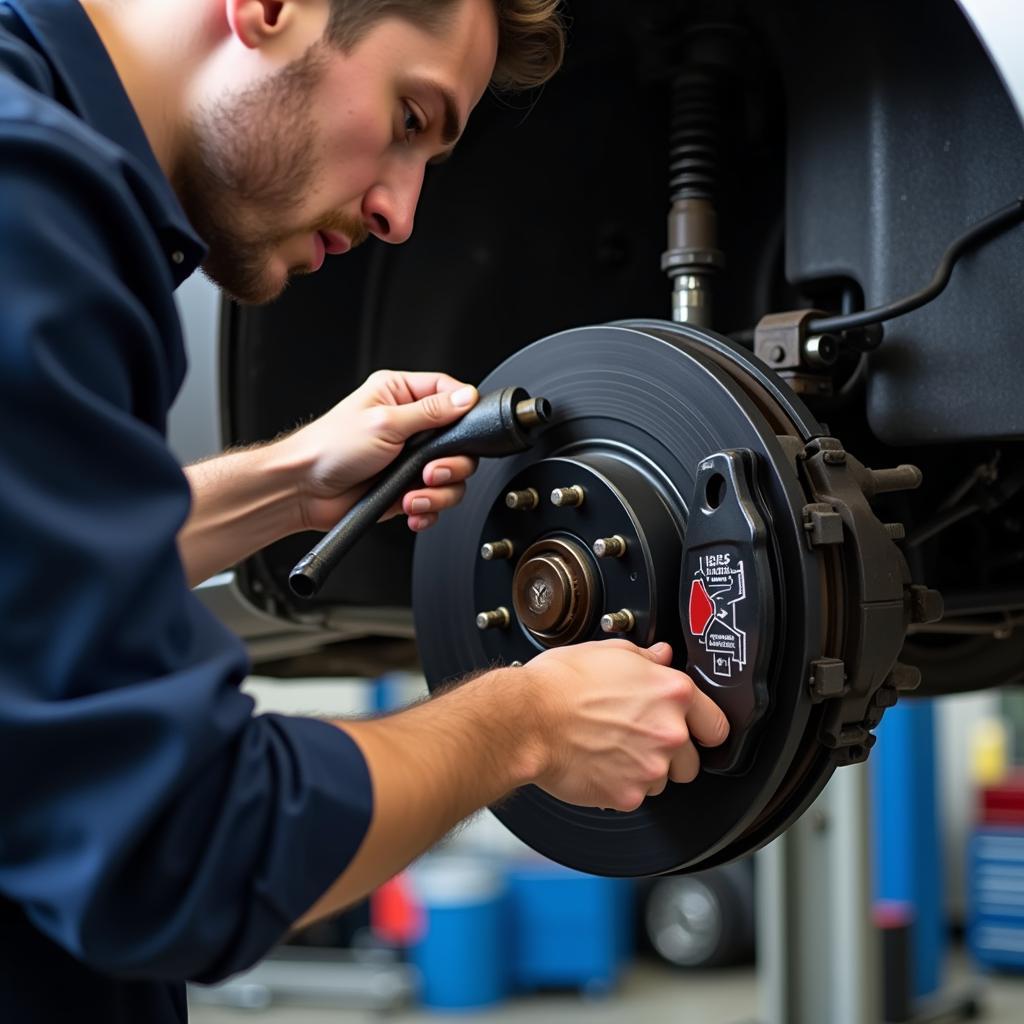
521,713
292,461
499,704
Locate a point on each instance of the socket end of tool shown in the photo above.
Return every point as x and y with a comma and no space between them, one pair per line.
305,579
532,412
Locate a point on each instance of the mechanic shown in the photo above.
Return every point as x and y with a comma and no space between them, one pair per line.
152,829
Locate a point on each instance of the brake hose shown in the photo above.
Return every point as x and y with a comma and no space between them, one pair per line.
991,226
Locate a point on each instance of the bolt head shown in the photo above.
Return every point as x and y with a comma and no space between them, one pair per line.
563,497
496,549
499,617
522,499
609,547
618,622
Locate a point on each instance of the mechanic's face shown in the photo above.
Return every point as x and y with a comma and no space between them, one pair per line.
329,148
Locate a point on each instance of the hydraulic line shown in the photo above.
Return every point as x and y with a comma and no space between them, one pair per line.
984,230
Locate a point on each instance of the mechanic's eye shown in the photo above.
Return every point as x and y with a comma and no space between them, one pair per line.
413,123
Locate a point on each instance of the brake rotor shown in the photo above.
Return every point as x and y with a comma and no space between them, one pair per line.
680,493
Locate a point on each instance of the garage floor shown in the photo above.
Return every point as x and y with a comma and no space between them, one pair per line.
650,995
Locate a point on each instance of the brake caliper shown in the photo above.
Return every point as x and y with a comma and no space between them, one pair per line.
727,600
879,599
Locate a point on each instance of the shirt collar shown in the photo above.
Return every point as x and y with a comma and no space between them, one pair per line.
66,37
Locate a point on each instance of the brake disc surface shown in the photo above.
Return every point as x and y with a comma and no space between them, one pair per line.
683,449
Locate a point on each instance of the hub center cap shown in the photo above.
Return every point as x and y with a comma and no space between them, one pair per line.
540,596
553,591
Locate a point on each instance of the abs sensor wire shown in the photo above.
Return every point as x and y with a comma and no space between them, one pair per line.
991,226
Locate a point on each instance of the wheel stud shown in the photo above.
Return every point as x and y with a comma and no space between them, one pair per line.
610,547
618,622
499,618
496,549
567,497
524,500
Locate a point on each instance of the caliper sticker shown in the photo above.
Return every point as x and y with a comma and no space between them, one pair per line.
717,589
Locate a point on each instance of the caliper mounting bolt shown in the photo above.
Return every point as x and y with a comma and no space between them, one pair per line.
903,677
925,604
618,622
610,547
885,481
568,497
498,618
522,500
496,549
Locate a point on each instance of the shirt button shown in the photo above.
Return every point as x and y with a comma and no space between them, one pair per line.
177,256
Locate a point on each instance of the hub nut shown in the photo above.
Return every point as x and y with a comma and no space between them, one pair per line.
554,591
567,497
610,547
618,622
496,549
524,500
499,618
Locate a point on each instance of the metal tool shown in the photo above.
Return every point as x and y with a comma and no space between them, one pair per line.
502,423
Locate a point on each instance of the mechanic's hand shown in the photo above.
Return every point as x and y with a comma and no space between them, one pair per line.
349,445
617,723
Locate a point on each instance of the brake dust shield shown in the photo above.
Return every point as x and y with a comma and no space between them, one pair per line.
680,493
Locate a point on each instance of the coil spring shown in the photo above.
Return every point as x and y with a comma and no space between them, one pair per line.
694,135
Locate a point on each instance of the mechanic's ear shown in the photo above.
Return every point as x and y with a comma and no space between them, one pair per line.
256,21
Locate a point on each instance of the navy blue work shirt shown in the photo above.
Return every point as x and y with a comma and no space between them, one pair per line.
152,829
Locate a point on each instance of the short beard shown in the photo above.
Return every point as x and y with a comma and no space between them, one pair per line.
247,163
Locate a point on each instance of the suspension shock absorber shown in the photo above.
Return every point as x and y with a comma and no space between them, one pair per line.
698,110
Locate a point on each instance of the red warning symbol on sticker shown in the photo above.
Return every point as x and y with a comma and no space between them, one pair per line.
702,608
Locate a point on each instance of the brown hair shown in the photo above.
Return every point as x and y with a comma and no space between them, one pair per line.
531,37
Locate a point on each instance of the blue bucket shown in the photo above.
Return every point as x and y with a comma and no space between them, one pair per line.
463,951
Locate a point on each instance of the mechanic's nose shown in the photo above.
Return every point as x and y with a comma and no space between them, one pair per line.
390,210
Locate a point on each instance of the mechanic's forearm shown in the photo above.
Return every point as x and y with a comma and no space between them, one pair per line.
431,766
241,502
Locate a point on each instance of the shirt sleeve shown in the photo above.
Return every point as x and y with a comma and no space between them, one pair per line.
151,824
